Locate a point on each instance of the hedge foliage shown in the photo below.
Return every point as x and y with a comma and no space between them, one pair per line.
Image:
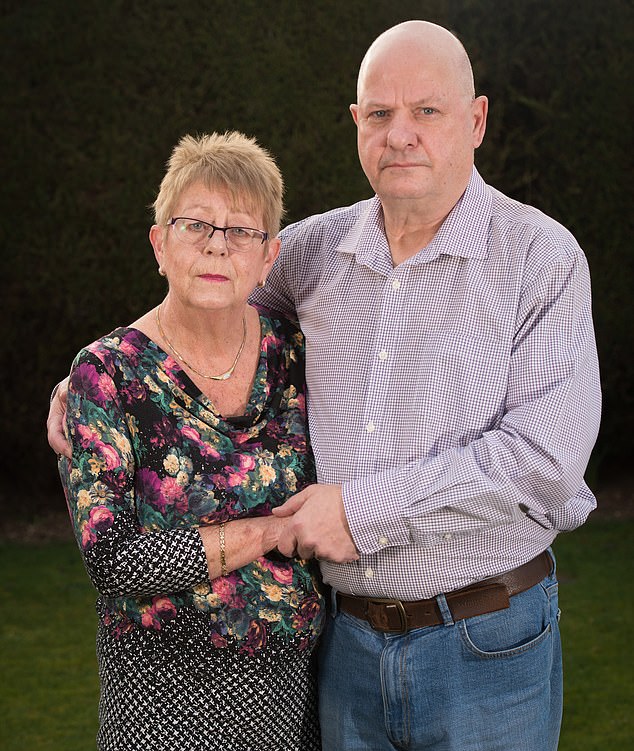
94,95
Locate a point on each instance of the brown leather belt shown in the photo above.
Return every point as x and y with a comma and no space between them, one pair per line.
487,596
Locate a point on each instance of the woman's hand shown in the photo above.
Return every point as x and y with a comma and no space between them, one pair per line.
244,541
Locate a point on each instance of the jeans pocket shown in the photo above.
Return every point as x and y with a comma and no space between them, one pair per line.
517,629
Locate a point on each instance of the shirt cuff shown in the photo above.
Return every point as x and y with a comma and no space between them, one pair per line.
374,507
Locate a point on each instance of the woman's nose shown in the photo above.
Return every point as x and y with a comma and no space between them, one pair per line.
216,244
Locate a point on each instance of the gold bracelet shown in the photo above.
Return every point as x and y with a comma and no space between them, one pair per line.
223,559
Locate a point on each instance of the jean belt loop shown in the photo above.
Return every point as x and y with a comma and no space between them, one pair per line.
444,610
554,560
333,602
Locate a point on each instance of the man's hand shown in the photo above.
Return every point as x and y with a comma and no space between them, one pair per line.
55,421
318,526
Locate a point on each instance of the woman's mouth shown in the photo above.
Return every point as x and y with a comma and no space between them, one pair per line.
213,277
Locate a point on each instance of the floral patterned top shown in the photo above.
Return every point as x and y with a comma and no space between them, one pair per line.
152,460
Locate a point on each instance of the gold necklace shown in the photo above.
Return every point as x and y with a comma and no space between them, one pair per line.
222,376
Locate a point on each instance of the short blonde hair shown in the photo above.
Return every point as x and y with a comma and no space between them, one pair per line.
232,162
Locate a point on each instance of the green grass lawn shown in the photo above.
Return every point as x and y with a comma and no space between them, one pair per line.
596,569
49,687
48,684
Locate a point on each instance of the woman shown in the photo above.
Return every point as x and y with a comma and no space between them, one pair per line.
187,428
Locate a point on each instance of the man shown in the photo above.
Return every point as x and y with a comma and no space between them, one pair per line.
453,404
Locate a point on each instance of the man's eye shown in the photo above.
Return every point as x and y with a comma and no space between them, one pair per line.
378,114
427,110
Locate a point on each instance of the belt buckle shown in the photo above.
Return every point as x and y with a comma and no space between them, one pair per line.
387,604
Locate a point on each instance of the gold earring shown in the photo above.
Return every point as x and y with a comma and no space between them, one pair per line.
161,272
261,283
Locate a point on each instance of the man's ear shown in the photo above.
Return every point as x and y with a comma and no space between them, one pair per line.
480,108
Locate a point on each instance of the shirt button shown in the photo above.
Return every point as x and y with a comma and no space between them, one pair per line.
370,427
369,573
396,283
383,355
383,541
447,536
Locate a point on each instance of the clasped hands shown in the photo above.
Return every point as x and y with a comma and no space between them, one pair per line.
317,526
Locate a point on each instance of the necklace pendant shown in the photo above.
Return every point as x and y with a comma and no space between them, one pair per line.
223,376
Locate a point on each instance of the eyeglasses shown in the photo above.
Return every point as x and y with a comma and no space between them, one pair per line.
196,232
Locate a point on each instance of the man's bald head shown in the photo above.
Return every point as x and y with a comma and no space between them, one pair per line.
413,38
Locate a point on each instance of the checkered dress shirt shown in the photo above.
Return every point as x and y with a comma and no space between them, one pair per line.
455,396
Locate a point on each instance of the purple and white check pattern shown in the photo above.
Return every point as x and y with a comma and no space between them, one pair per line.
456,396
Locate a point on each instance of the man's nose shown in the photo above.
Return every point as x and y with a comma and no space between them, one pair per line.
401,134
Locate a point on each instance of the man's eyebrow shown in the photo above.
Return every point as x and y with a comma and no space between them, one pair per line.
374,105
427,101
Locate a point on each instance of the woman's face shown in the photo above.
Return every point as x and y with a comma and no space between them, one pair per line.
208,275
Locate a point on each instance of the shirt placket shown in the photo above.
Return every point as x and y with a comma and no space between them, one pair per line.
375,432
382,381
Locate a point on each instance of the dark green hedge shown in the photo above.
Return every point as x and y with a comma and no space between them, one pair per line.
94,95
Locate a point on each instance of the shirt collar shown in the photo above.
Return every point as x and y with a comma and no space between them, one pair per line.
464,232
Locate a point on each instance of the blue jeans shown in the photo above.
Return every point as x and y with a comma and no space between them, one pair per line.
488,683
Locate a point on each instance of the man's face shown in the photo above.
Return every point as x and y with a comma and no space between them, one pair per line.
417,127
